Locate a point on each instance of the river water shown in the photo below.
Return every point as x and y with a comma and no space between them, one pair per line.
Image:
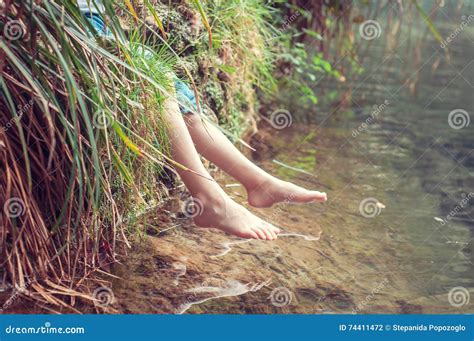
406,148
396,235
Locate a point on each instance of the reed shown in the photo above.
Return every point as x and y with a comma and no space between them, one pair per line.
81,135
82,140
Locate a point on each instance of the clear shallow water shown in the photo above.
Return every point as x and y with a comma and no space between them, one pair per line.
416,160
332,258
383,243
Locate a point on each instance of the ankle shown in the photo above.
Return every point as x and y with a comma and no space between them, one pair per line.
211,200
259,183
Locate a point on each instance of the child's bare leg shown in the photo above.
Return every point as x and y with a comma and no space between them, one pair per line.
218,210
262,188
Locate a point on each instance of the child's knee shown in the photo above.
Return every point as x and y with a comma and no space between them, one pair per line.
192,120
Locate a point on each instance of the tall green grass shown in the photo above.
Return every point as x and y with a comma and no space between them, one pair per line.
239,62
83,139
83,153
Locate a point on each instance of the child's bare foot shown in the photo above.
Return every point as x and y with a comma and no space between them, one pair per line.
275,190
228,216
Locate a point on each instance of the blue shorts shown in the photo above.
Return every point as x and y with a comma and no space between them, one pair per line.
185,96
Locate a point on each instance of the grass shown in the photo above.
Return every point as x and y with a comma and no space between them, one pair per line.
84,141
81,156
244,46
238,62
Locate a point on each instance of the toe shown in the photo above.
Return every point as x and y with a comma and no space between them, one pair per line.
320,196
270,234
274,229
266,229
274,234
252,234
259,233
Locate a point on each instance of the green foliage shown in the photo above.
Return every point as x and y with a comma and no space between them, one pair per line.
241,60
86,150
308,71
428,22
85,155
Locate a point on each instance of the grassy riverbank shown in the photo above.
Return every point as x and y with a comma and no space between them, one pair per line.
84,149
